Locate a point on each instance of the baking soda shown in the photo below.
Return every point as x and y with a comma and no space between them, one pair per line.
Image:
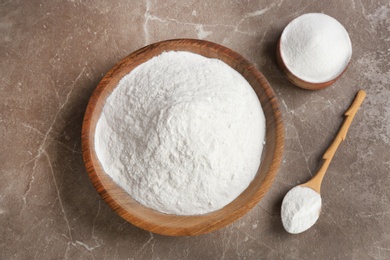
315,47
300,209
182,134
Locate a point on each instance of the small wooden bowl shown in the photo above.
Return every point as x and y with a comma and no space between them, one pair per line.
300,82
132,211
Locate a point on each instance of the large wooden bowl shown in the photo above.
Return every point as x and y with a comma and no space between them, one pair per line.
132,211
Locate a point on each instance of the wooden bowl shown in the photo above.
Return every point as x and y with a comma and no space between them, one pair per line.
298,81
132,211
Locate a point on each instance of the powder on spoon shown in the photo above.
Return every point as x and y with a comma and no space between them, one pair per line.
315,47
300,209
182,134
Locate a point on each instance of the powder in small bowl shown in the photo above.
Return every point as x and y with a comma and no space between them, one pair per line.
182,134
315,47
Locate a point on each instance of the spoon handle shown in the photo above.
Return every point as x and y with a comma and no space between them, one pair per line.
315,183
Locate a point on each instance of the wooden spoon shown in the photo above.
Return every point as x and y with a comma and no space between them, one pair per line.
315,182
302,204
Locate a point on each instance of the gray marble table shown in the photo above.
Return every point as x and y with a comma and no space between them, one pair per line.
52,56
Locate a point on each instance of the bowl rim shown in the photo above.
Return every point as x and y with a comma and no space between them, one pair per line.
104,184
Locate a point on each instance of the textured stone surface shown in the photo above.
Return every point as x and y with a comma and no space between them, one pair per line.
53,54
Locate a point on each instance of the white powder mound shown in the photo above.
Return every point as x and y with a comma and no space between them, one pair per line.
182,134
300,209
315,47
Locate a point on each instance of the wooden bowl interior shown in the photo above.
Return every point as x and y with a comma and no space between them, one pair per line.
174,225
